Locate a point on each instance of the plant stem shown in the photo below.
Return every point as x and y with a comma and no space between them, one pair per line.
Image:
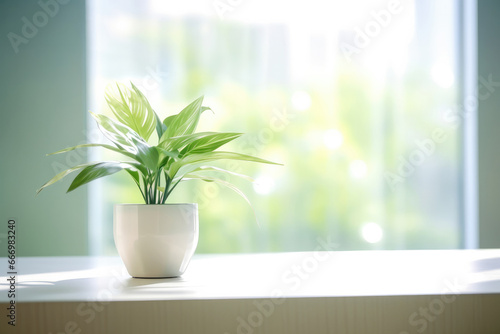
158,184
150,190
142,192
154,188
175,185
147,190
138,183
168,180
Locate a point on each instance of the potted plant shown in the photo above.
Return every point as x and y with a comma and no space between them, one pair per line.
155,239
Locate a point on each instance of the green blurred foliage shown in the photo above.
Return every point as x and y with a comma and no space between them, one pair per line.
314,195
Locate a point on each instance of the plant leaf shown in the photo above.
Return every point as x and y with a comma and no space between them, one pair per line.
209,142
225,184
61,175
127,139
185,122
96,171
160,127
165,155
221,170
131,108
135,176
150,157
120,134
176,143
167,121
206,108
109,147
190,162
138,166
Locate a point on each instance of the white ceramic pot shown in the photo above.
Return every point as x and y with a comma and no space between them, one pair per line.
155,240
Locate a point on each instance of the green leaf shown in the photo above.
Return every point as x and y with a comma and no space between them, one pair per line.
176,143
109,147
221,170
225,184
160,127
165,155
131,108
96,171
127,139
206,108
188,163
186,121
121,135
150,157
209,143
138,166
61,175
167,121
135,176
180,151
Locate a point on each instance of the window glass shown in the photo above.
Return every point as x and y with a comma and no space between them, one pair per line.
358,100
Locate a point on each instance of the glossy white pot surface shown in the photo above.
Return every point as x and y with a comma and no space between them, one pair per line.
155,240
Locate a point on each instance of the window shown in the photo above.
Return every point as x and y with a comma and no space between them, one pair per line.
358,99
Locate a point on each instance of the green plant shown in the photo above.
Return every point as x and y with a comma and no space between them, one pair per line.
181,154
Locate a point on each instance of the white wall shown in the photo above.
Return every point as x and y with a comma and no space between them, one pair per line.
489,124
42,105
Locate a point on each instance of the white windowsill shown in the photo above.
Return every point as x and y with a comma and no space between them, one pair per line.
301,274
383,287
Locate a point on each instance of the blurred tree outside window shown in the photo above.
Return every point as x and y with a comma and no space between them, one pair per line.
355,98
